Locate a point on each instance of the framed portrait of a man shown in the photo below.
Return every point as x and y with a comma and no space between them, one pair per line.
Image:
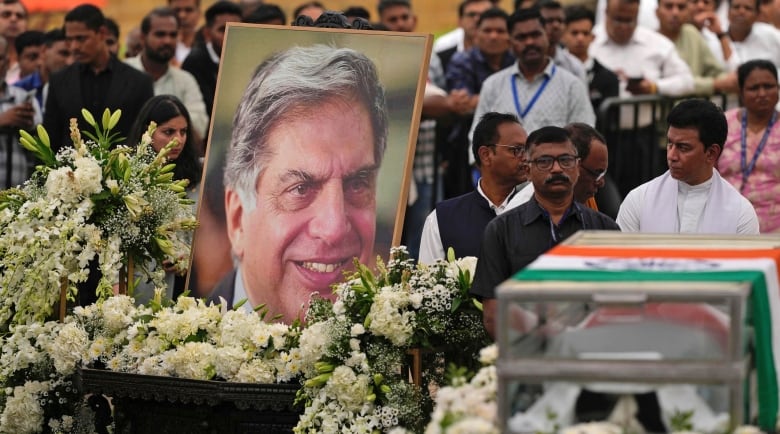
308,161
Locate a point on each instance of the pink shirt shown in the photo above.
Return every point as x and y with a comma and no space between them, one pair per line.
763,185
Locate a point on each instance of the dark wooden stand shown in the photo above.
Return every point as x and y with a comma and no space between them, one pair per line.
152,404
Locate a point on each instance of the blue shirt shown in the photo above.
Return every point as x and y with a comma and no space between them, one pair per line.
33,82
469,69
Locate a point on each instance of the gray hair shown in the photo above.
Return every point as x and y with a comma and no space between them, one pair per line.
300,78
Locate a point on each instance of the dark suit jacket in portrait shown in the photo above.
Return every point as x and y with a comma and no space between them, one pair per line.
225,289
129,90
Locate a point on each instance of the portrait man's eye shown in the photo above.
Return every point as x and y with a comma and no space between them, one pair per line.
297,196
359,189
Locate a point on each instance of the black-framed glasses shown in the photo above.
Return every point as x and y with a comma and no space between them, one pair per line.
566,161
515,150
597,175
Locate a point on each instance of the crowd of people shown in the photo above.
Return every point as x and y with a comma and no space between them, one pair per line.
509,117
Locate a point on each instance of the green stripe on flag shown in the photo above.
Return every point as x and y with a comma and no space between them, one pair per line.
759,317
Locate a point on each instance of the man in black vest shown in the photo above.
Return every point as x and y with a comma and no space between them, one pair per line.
516,238
499,151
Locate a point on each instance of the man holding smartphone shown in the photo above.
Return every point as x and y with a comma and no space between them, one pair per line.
18,110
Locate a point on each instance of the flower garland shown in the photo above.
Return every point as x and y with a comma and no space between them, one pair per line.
354,349
91,200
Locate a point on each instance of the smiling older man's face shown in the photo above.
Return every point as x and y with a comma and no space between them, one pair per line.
315,210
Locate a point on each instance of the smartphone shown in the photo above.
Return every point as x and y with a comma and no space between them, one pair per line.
634,81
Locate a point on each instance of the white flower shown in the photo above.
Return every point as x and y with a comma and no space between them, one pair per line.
88,175
593,428
350,389
256,371
388,318
229,360
357,330
488,355
195,360
68,348
22,413
468,263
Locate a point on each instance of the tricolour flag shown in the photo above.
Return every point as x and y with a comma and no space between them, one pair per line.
759,267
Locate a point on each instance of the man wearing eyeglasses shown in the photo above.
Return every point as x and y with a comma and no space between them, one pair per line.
499,152
691,197
594,158
516,238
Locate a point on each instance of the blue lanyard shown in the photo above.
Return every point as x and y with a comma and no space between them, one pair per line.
748,169
553,226
522,113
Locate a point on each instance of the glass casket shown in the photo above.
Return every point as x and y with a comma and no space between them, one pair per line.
625,351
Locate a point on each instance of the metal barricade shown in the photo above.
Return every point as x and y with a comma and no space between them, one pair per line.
635,130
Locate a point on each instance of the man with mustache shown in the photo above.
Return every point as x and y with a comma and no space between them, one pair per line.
300,179
159,33
535,89
516,238
690,197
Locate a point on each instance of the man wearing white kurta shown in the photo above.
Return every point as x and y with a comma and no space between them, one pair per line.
690,197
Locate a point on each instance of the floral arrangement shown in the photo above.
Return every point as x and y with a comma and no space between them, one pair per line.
92,200
354,350
188,339
191,339
469,406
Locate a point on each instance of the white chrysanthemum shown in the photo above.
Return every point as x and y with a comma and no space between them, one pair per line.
23,413
236,327
154,365
488,355
357,330
88,175
117,313
228,361
61,185
256,371
68,348
195,360
312,344
349,388
387,317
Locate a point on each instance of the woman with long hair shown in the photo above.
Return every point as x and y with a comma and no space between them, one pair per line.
173,123
750,160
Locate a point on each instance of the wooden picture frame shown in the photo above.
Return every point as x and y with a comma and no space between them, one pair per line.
401,62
